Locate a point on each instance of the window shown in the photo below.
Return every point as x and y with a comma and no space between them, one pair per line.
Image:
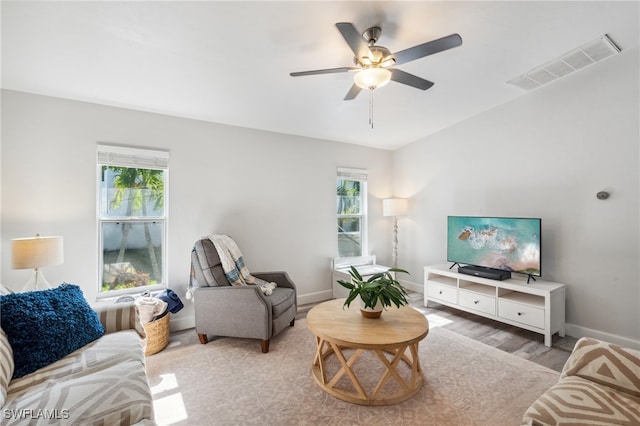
351,197
132,219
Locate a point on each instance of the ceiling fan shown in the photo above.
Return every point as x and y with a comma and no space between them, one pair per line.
373,63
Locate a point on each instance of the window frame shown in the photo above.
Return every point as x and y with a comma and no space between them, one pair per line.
359,175
130,157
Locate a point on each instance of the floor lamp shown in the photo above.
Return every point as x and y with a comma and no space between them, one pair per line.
395,207
36,252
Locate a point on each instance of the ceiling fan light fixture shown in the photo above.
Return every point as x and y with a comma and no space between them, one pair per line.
372,78
388,61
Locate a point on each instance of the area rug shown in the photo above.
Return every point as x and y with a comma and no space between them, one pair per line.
229,381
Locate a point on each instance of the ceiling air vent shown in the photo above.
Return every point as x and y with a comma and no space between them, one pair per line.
587,54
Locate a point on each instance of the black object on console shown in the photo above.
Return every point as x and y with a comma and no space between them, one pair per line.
480,271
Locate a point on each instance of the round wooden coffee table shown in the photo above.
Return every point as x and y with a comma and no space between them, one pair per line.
390,339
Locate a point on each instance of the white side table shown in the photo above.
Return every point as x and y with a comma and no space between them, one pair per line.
366,266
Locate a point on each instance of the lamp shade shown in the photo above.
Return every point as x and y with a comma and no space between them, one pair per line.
36,252
394,207
372,78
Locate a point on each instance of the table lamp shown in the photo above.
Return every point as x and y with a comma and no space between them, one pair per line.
36,252
395,207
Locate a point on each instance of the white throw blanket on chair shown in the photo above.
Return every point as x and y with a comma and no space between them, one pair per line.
234,267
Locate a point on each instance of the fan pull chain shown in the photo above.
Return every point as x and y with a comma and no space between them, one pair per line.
371,108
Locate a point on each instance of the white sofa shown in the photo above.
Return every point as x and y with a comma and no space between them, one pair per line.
102,383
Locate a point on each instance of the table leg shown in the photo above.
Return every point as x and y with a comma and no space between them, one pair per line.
407,388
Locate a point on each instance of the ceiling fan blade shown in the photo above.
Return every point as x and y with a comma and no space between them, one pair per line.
325,71
400,76
353,92
428,48
354,40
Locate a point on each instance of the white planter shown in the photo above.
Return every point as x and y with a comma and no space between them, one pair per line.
374,312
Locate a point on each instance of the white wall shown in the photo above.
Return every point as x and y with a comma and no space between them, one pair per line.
545,155
1,256
275,194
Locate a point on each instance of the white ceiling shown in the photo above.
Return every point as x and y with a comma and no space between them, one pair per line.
229,62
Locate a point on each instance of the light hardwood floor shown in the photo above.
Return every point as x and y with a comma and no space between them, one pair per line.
523,343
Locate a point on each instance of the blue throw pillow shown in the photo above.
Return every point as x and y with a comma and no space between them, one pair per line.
45,326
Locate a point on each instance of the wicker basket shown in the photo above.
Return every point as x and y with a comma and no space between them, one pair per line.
157,335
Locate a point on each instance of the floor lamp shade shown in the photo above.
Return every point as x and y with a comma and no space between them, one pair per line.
394,207
35,253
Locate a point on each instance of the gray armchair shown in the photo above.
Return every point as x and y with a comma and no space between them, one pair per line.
238,311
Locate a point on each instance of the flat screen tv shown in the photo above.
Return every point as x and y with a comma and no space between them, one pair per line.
506,243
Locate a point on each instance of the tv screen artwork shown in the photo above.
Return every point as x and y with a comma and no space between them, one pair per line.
510,244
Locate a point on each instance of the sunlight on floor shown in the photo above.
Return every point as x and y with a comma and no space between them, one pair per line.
437,320
168,409
173,343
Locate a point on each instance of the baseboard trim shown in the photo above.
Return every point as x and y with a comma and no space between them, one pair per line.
184,323
572,330
418,288
577,331
319,296
187,322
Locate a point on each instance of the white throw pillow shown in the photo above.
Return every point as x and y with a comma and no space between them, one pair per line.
6,358
6,365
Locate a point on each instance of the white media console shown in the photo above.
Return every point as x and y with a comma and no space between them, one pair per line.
538,306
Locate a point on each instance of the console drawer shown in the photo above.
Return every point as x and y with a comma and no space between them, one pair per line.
478,302
442,292
521,313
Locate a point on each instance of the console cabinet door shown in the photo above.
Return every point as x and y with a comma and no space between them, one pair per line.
521,313
478,302
442,292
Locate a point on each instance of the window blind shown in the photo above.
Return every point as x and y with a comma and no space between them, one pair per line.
114,155
352,174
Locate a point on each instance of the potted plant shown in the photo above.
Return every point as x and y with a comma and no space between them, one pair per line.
376,293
